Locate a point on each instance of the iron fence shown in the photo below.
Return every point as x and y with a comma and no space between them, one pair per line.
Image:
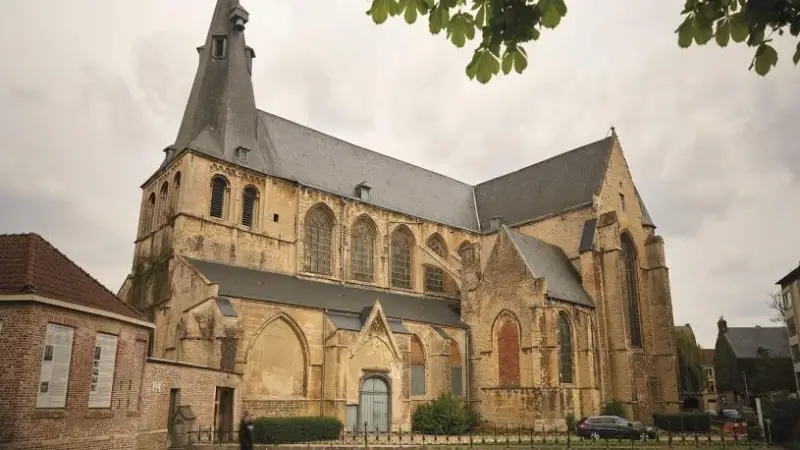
517,437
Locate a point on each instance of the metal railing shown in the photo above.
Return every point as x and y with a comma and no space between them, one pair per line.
518,437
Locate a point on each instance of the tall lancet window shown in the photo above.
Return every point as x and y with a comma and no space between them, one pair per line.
219,197
362,250
630,272
565,346
318,244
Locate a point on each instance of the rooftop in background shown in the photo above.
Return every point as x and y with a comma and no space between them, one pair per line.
746,341
789,278
707,357
31,265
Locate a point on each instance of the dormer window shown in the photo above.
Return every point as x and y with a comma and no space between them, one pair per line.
363,190
219,47
241,154
495,222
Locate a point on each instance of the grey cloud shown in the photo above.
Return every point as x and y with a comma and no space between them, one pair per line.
711,145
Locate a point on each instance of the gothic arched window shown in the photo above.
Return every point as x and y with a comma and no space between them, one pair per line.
249,206
566,362
434,276
163,200
362,250
402,257
147,213
456,372
176,190
318,243
417,363
630,272
467,254
219,194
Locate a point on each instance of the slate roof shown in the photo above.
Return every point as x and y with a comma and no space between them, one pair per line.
31,265
355,322
550,262
286,289
221,116
745,341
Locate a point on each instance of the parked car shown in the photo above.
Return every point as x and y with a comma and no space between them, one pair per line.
613,427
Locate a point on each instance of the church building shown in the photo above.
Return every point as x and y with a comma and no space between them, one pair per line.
334,280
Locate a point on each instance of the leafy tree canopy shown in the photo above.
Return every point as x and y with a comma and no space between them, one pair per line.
691,375
505,26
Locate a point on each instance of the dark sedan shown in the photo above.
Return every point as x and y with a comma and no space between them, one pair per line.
613,427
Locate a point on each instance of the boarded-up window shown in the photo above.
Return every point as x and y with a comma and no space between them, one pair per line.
402,257
163,206
565,349
318,241
456,373
228,354
249,206
417,363
362,250
508,351
174,196
467,253
219,190
147,214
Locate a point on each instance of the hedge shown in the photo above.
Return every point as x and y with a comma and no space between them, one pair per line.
692,422
285,430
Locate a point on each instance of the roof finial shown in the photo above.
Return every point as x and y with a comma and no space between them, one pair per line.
613,131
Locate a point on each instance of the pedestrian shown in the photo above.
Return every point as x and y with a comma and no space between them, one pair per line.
246,432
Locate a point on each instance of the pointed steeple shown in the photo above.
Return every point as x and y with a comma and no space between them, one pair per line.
221,117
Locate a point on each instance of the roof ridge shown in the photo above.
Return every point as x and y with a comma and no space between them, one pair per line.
95,280
365,148
558,155
30,264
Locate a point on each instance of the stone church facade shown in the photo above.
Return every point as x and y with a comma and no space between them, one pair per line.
338,281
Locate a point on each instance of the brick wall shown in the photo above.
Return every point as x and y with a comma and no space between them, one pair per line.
75,426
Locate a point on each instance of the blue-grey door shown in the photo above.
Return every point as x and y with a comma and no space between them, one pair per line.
374,404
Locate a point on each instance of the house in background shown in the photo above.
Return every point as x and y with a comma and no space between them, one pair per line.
790,295
710,392
75,370
751,362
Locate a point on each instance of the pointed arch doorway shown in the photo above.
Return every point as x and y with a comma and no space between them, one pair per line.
374,404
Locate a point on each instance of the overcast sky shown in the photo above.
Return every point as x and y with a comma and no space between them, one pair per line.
92,91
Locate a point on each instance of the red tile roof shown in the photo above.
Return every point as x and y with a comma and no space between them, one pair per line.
31,265
708,357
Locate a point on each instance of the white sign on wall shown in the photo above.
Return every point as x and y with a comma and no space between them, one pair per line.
54,378
103,363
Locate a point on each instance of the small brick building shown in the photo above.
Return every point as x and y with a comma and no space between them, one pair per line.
75,371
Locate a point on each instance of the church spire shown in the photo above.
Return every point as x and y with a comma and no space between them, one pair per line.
221,116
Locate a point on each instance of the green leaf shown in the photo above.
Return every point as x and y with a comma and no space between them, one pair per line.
508,61
766,58
551,16
480,16
430,3
423,6
438,19
460,29
520,60
796,57
380,10
702,29
685,33
560,6
739,30
723,34
410,10
486,66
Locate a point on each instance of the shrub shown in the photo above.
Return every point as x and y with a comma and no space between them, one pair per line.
680,422
784,418
614,408
447,415
283,430
571,421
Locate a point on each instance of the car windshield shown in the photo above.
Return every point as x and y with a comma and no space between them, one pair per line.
732,413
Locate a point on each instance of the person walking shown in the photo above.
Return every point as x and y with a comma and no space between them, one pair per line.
246,432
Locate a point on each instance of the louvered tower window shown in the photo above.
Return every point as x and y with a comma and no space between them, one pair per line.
249,206
219,190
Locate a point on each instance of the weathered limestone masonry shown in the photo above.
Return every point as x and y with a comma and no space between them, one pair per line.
328,279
